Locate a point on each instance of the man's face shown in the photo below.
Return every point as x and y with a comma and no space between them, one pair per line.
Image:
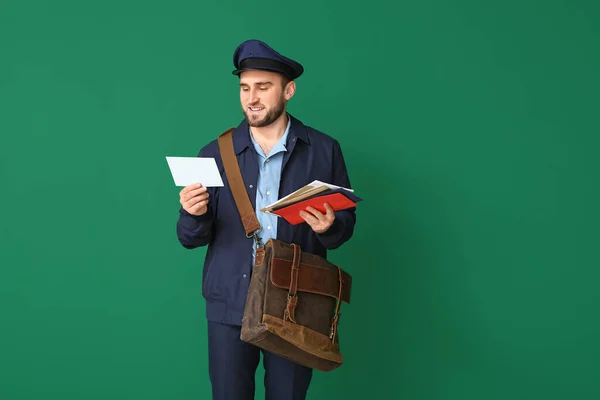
262,97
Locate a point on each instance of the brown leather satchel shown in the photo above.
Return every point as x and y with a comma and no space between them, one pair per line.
294,299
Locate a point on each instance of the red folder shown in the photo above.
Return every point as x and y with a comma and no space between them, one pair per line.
337,201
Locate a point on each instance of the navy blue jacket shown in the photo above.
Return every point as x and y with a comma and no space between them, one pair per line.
228,264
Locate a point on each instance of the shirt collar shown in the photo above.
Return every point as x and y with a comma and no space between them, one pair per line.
279,146
295,130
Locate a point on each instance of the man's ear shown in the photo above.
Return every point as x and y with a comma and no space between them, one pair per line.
289,90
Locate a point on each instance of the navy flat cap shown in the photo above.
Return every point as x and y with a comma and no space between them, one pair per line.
254,54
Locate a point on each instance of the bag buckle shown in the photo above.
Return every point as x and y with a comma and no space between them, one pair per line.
256,238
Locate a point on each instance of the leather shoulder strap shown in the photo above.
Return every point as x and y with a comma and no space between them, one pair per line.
236,183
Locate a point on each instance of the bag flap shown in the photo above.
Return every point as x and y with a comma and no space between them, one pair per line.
311,278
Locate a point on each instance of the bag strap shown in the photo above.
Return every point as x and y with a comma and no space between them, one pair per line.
292,299
236,183
336,317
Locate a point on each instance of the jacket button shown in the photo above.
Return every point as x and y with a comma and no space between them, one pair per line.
244,275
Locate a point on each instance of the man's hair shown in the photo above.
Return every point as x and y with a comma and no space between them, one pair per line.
284,80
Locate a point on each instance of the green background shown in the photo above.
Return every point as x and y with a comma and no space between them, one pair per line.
469,127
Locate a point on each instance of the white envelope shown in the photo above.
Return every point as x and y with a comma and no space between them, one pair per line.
189,170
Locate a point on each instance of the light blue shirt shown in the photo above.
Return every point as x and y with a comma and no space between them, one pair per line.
267,191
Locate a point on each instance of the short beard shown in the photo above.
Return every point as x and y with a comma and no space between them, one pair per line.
268,119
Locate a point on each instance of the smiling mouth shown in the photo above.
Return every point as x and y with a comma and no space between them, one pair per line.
256,109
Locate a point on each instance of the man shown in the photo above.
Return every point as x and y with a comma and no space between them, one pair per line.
277,155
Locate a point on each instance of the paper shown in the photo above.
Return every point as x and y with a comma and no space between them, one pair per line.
311,189
329,185
189,170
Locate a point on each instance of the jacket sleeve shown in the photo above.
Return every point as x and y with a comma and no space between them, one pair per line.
342,228
195,231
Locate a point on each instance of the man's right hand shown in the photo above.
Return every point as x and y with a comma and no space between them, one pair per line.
194,199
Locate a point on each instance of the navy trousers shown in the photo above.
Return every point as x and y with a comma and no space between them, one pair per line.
233,363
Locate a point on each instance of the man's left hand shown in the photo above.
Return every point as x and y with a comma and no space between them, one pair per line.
318,221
